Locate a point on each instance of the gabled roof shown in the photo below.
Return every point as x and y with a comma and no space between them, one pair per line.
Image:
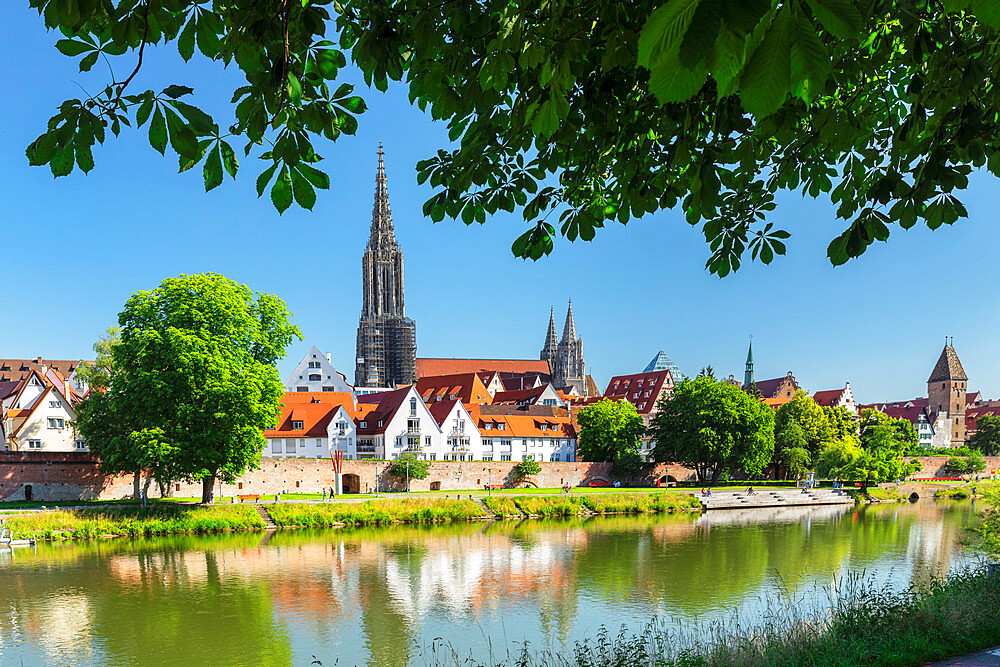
526,426
18,369
467,387
948,367
330,397
972,414
441,409
8,388
315,418
515,381
828,398
520,396
388,402
769,388
427,366
625,387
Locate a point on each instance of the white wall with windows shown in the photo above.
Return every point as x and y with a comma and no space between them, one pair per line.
316,373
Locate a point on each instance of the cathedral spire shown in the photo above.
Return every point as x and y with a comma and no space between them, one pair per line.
381,217
551,340
748,373
569,329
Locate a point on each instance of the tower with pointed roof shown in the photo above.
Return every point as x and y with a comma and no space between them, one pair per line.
946,391
387,339
748,371
565,356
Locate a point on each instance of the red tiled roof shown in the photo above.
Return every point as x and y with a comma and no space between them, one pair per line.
467,387
388,402
528,396
314,417
428,366
441,409
768,388
517,381
627,386
18,369
972,414
828,398
522,426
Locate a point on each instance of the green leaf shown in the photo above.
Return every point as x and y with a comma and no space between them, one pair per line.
70,47
839,17
353,104
700,36
663,31
142,115
810,63
229,160
281,191
208,39
158,132
987,11
265,178
546,120
314,176
766,79
182,139
185,43
84,156
42,149
199,120
305,196
176,91
294,89
62,161
89,61
670,82
212,171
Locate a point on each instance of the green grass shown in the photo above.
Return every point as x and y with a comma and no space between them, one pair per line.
502,506
632,504
867,625
953,493
132,521
375,512
550,505
886,495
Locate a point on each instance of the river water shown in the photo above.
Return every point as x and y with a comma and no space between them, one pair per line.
382,596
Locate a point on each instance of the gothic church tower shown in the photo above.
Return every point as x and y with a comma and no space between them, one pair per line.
387,339
565,357
946,392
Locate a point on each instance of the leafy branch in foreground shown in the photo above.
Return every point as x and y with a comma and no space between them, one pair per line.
578,113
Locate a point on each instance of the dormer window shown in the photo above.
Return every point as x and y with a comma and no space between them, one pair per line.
488,426
364,424
297,425
500,427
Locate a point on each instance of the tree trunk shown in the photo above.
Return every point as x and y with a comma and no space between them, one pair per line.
208,490
136,486
166,489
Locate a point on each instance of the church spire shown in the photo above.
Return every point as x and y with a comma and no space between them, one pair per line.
748,373
569,329
551,340
381,217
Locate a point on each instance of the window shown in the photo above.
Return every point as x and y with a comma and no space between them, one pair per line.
549,401
625,386
488,442
34,444
80,444
364,424
412,425
413,441
413,407
427,441
290,446
328,389
488,458
315,378
554,457
489,426
501,427
302,388
55,404
276,446
296,425
56,422
319,442
432,457
505,457
543,427
341,428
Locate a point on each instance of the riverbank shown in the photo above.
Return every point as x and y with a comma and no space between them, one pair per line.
867,625
165,519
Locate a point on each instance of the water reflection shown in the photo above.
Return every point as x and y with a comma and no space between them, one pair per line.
373,596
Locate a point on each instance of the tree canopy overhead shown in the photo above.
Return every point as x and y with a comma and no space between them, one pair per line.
576,113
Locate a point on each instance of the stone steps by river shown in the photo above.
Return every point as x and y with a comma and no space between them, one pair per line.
765,497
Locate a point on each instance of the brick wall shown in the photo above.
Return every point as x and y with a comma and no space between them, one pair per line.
933,466
73,476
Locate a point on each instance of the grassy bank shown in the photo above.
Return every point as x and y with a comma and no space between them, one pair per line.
953,493
886,495
621,503
132,521
866,626
376,512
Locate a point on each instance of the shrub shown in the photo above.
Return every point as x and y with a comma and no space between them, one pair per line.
549,505
418,468
527,468
502,506
952,493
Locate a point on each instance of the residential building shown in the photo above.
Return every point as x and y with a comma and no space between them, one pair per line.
465,387
565,356
545,394
387,339
837,398
37,415
644,391
775,392
526,437
316,373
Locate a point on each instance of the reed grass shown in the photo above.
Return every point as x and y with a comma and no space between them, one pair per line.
132,521
633,504
376,512
502,506
550,505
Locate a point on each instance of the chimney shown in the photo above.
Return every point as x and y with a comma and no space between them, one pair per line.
329,358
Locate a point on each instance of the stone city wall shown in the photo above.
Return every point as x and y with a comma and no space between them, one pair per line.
75,476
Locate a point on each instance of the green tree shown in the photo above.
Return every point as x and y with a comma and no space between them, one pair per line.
803,411
879,431
527,468
796,460
842,424
836,456
409,466
97,375
628,464
608,430
987,436
193,381
848,461
713,426
596,111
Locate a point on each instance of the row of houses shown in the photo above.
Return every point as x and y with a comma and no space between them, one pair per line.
38,401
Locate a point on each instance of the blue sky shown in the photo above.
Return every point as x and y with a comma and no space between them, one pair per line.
75,249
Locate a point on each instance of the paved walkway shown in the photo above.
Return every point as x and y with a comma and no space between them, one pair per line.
988,658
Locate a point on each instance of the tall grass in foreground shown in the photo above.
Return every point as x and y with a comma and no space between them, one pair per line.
375,512
865,625
620,503
502,506
132,521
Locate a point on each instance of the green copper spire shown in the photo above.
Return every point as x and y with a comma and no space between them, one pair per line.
748,373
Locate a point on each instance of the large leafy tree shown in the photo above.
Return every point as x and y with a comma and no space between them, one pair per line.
608,431
192,382
987,436
809,417
576,113
713,426
879,431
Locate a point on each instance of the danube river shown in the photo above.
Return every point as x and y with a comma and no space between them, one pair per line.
383,596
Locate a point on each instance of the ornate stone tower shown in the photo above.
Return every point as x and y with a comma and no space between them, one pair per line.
946,391
387,339
565,357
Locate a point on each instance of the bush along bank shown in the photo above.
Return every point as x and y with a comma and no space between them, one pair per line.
604,503
132,521
867,626
880,495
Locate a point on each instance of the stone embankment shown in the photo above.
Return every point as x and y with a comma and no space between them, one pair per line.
774,498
